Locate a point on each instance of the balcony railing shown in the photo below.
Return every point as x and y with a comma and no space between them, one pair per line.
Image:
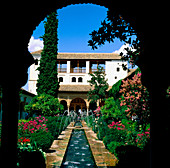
73,70
94,70
62,70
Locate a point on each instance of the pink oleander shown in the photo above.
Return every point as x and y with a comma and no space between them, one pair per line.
135,98
97,112
116,125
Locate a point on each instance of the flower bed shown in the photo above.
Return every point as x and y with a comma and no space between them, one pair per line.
36,135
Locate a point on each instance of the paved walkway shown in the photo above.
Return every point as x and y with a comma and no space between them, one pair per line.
103,158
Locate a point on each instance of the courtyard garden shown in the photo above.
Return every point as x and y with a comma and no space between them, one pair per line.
122,123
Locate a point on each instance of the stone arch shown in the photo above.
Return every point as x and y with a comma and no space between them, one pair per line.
143,19
78,102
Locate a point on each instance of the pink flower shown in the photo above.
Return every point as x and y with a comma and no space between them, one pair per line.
118,128
147,133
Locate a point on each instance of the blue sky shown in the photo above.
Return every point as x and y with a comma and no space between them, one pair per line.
75,24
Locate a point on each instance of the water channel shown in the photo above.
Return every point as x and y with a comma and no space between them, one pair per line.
78,154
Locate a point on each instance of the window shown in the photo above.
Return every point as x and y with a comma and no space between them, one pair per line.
80,79
118,69
115,77
73,79
60,79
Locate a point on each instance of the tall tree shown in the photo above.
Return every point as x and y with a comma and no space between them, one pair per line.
99,86
47,78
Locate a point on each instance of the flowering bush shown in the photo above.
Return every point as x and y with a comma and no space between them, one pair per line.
116,133
23,140
32,126
35,131
117,125
97,112
143,138
135,98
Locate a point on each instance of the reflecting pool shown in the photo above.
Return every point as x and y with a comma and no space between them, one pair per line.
78,153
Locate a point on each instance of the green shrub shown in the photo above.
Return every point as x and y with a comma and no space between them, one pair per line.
113,145
102,128
42,139
53,125
111,110
45,105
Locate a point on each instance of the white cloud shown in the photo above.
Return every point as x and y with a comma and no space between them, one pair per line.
35,44
122,49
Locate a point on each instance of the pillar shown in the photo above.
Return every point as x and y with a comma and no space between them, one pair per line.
68,109
68,66
87,104
87,66
98,103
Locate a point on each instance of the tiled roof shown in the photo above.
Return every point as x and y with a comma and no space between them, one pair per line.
76,88
88,56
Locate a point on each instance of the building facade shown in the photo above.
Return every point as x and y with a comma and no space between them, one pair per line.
73,74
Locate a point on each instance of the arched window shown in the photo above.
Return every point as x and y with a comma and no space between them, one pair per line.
73,79
80,79
60,79
118,69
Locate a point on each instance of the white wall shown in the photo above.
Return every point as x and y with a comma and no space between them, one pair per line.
111,71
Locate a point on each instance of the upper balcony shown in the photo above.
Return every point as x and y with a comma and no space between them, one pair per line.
79,66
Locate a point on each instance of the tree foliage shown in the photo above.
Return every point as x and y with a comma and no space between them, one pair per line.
47,78
99,86
115,26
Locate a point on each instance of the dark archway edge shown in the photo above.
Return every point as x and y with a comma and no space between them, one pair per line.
149,20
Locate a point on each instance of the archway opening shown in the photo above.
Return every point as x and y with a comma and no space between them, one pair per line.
78,105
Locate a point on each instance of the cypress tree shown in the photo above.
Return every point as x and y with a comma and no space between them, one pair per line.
47,78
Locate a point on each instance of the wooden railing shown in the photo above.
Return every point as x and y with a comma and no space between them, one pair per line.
62,70
73,70
94,70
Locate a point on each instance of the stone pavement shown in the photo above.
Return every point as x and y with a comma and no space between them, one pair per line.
57,151
102,156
